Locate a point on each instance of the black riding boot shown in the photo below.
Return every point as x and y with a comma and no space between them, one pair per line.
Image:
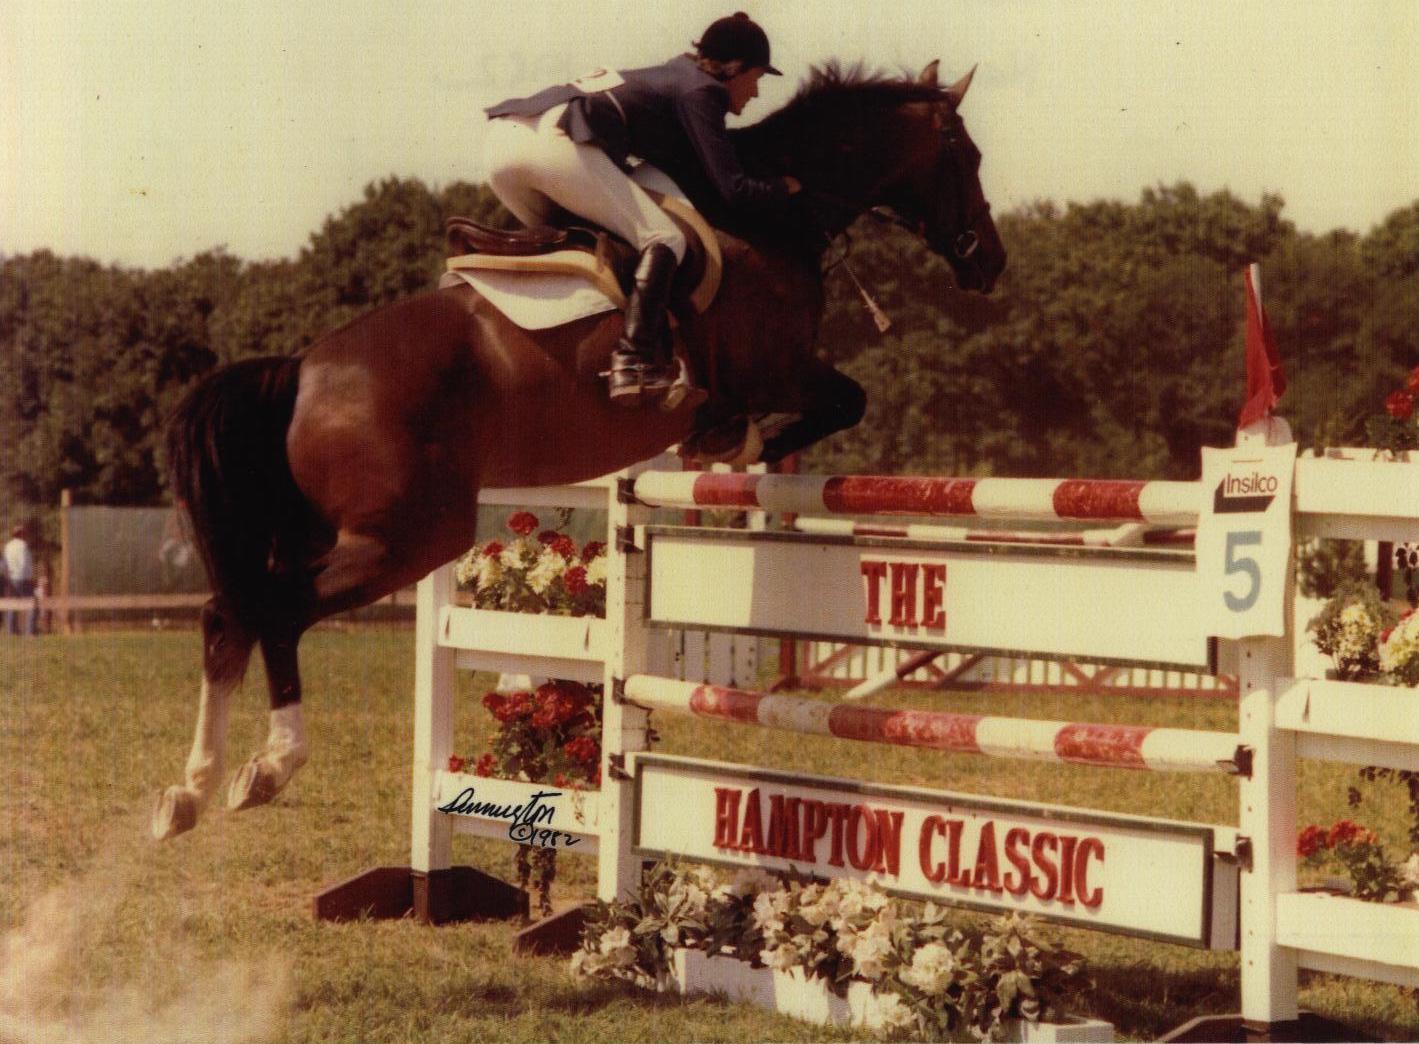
641,362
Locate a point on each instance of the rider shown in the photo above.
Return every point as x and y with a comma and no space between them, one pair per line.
568,147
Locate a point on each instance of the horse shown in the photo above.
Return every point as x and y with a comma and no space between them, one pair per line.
321,482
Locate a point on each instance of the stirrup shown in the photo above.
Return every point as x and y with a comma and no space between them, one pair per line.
632,377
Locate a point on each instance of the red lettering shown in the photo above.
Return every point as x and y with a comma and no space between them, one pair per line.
903,594
889,838
874,573
815,825
790,828
751,838
1017,884
1089,846
726,817
930,827
1066,869
933,597
954,874
778,829
860,816
987,872
1046,865
838,815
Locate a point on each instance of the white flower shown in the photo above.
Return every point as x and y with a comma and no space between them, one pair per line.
515,555
671,934
490,572
750,881
549,567
893,1013
586,964
466,568
1402,644
769,911
617,949
930,969
1410,872
596,571
781,957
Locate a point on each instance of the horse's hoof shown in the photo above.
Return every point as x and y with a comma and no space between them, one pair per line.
254,785
175,813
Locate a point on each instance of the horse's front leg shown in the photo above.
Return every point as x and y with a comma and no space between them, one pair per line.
226,650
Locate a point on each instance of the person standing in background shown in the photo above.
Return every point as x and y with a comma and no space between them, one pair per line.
19,564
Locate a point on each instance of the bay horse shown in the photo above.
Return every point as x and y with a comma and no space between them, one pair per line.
319,483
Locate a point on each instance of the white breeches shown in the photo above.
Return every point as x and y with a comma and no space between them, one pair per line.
533,167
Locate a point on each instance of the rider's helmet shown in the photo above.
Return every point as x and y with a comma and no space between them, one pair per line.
737,39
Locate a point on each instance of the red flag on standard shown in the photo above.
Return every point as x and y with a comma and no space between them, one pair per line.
1265,379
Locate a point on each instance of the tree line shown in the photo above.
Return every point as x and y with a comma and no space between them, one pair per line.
1112,346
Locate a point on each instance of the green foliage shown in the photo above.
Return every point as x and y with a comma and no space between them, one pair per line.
1322,566
1022,974
1348,628
1111,346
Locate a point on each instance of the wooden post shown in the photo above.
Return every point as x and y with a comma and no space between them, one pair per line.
431,844
624,727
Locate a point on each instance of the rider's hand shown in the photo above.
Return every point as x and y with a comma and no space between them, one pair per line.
794,185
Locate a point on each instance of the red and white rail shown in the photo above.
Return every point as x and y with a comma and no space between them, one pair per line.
1128,534
1158,503
1105,745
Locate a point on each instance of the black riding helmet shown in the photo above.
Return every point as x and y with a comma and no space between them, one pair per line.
737,38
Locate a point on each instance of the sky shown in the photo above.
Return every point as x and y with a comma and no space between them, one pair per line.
144,131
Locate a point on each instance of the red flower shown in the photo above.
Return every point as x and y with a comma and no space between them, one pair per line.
1347,832
564,546
547,536
1411,383
557,703
522,523
1311,841
1399,405
493,702
583,749
486,764
592,549
492,549
575,579
559,780
455,763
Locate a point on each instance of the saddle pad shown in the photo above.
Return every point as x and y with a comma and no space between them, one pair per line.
540,301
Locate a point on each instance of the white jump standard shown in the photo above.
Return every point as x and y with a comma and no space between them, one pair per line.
917,593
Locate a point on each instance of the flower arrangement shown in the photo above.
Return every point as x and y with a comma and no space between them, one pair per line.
550,735
1349,627
547,573
1397,428
931,979
1399,649
553,734
1374,875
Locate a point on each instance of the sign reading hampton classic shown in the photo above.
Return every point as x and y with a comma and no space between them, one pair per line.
1084,603
1116,873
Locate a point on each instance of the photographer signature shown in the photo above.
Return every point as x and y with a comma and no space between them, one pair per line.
526,821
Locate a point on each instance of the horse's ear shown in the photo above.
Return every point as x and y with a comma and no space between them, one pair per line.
928,75
957,90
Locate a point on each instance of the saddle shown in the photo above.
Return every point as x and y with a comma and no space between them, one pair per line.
605,260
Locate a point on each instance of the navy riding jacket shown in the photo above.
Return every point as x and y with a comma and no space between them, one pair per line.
671,115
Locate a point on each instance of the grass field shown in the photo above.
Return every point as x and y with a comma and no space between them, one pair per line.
112,937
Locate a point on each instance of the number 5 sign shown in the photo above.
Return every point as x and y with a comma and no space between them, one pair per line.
1244,539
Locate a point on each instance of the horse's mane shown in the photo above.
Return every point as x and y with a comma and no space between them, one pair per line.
832,93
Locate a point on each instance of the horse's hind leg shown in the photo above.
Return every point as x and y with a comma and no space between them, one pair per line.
354,572
268,771
226,650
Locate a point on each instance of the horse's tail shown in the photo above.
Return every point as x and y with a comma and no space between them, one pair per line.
226,446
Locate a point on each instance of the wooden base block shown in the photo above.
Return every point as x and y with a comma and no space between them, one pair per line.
459,893
558,935
1233,1028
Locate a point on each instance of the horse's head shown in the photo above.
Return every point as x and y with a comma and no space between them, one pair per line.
932,183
